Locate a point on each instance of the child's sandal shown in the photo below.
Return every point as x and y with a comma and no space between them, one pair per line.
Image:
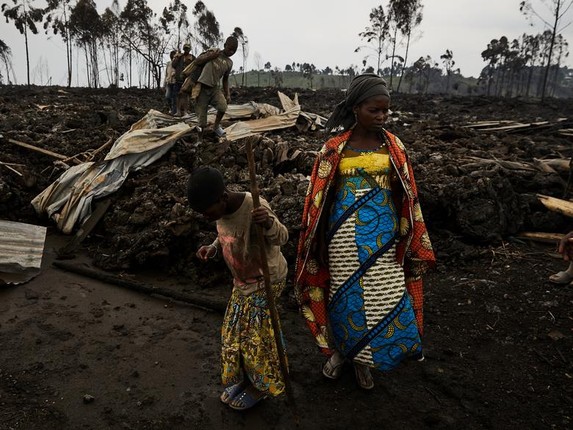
246,400
231,392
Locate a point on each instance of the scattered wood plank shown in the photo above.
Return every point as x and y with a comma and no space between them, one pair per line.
35,148
510,126
552,164
199,301
486,124
477,162
9,167
564,207
541,236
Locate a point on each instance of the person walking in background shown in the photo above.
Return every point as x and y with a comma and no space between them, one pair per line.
363,246
216,68
180,62
250,363
169,82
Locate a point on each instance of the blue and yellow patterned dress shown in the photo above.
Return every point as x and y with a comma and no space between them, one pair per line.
369,309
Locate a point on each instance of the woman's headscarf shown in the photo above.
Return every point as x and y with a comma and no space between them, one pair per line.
361,88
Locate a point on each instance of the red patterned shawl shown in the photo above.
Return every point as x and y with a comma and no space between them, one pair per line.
413,250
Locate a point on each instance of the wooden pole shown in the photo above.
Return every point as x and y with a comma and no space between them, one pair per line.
35,148
201,302
267,279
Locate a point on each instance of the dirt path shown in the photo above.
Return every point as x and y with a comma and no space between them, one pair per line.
78,353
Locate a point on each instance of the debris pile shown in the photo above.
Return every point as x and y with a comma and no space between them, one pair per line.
478,183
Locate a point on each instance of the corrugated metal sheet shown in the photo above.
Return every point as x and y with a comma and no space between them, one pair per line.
21,251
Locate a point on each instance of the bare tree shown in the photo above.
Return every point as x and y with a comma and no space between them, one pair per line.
206,26
376,35
407,15
25,16
6,57
558,9
308,71
449,63
86,29
268,68
244,43
258,61
58,15
142,36
112,39
174,19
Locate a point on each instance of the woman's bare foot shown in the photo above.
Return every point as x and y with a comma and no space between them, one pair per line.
363,376
332,369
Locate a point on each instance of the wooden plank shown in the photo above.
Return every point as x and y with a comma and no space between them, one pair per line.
541,236
482,124
564,207
35,148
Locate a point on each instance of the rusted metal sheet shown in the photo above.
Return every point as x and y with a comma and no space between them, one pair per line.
21,251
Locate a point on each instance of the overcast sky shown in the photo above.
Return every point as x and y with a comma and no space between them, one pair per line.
320,32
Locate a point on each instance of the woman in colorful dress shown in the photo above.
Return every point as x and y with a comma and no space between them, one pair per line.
363,245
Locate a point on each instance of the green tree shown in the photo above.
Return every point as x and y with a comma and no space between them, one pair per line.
308,72
25,16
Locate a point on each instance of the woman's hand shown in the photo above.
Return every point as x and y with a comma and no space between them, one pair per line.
206,252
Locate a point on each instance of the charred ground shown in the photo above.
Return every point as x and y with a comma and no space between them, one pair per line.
499,337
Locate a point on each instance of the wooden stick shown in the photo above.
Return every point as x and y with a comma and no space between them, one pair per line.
101,148
35,148
541,236
11,168
266,275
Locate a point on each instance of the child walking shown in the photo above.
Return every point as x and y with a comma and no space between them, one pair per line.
250,362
